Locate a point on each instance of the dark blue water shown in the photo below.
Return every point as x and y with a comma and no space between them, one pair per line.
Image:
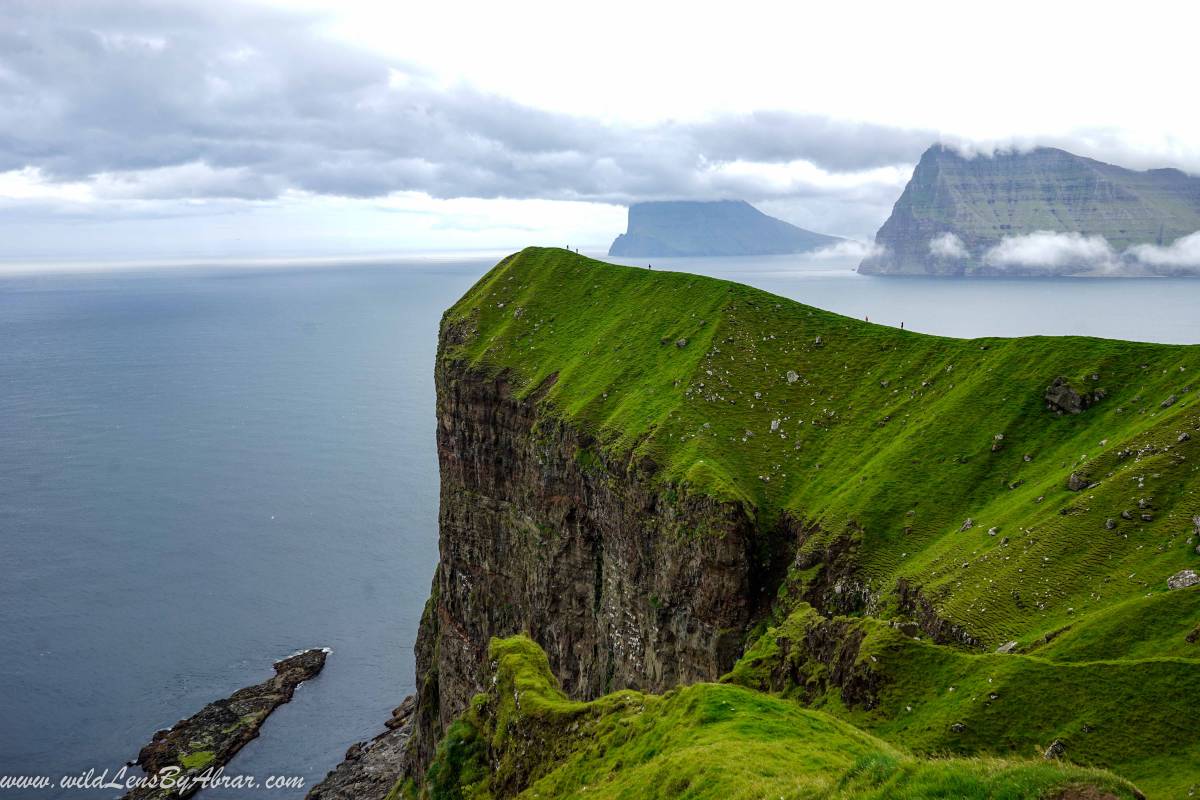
204,471
201,473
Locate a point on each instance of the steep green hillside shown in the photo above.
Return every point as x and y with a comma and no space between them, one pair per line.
525,738
981,200
1133,715
1034,494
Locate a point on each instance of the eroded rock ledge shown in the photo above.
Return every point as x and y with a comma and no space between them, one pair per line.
208,739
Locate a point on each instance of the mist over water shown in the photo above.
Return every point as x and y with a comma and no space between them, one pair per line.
202,471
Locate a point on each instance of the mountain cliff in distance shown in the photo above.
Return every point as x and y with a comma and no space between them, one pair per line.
717,228
1039,212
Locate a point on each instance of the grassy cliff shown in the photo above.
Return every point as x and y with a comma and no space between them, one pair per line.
983,199
1032,493
525,738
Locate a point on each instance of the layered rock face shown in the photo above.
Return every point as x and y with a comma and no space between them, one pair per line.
718,228
622,584
955,209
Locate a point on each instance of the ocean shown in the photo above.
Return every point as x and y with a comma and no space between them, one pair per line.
206,469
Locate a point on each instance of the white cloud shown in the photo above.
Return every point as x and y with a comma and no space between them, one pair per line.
1183,252
948,245
849,249
1053,251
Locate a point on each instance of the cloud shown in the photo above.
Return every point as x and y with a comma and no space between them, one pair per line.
225,100
1048,250
948,245
849,249
1183,253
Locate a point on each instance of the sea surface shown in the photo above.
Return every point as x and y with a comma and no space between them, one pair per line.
206,469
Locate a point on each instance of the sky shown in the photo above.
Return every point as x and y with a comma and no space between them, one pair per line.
174,130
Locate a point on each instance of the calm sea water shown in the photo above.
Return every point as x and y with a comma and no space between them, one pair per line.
204,470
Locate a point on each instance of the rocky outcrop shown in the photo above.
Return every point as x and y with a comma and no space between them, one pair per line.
371,769
957,208
718,228
623,581
207,740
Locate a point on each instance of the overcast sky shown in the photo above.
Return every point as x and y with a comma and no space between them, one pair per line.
179,129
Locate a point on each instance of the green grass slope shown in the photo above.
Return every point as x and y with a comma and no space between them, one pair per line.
525,738
1135,716
885,437
881,444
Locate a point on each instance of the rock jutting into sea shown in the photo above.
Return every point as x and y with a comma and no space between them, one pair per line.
207,740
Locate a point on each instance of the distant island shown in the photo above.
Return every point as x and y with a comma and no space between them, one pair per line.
1040,212
715,228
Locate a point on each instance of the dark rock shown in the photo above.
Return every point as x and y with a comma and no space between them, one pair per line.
1170,401
1062,398
1147,517
1126,514
1183,437
1110,524
371,769
1076,482
958,727
681,343
1056,750
211,737
613,540
967,524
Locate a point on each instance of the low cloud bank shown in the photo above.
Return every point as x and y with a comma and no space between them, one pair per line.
849,249
947,245
1050,250
1074,252
1183,252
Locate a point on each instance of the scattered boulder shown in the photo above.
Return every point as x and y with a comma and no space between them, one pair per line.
1007,647
1170,401
792,377
1056,750
1147,517
993,531
1076,482
681,342
958,727
997,442
1183,579
1062,399
1183,437
968,524
1126,514
1110,524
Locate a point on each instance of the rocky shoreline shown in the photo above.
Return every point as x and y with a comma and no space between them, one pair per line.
371,769
207,740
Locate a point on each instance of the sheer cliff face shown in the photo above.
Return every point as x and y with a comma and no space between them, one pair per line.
982,200
719,228
541,534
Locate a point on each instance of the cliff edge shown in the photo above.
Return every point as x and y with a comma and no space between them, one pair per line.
978,547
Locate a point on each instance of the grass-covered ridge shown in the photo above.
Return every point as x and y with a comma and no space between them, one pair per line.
1135,716
935,466
524,738
887,436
